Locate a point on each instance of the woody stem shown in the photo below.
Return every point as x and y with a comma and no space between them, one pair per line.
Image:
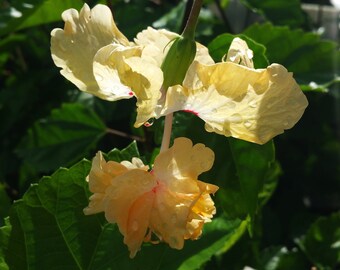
190,27
167,132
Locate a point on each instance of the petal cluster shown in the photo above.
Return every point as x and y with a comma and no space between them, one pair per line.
232,97
168,202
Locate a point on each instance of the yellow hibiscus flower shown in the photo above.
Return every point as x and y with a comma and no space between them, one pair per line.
168,202
232,97
99,59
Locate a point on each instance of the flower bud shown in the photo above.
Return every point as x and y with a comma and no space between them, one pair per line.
177,61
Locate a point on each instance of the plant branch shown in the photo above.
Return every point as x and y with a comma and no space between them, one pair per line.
124,134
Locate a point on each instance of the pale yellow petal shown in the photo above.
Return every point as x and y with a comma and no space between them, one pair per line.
179,166
109,67
96,204
136,163
99,178
121,71
169,216
239,53
161,42
122,194
201,212
233,100
202,55
138,222
102,173
74,47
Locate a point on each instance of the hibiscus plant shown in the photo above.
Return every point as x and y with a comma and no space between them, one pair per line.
158,136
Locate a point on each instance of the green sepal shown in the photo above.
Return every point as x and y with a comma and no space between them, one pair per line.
177,61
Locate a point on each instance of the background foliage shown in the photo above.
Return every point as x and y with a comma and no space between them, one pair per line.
278,204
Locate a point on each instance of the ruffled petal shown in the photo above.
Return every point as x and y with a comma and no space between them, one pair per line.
138,222
239,53
161,41
99,178
169,216
179,166
136,163
122,72
201,212
108,66
74,47
180,199
123,193
233,100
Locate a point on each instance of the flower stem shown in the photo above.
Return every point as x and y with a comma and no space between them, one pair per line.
167,132
190,27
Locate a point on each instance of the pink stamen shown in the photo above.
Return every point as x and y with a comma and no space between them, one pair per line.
154,190
190,111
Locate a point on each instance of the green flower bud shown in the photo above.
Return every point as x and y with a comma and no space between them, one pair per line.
178,60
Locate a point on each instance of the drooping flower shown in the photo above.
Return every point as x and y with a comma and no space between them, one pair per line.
99,59
168,202
232,97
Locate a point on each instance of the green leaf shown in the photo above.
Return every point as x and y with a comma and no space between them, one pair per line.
52,212
49,228
170,20
280,258
126,154
218,237
21,15
304,54
322,88
281,12
321,243
5,203
270,183
4,238
252,164
62,138
220,46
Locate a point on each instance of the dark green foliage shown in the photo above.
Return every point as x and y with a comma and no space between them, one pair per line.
281,12
65,136
274,210
303,53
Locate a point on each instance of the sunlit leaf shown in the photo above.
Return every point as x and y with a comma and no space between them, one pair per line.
304,54
62,138
49,228
19,14
125,154
322,242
